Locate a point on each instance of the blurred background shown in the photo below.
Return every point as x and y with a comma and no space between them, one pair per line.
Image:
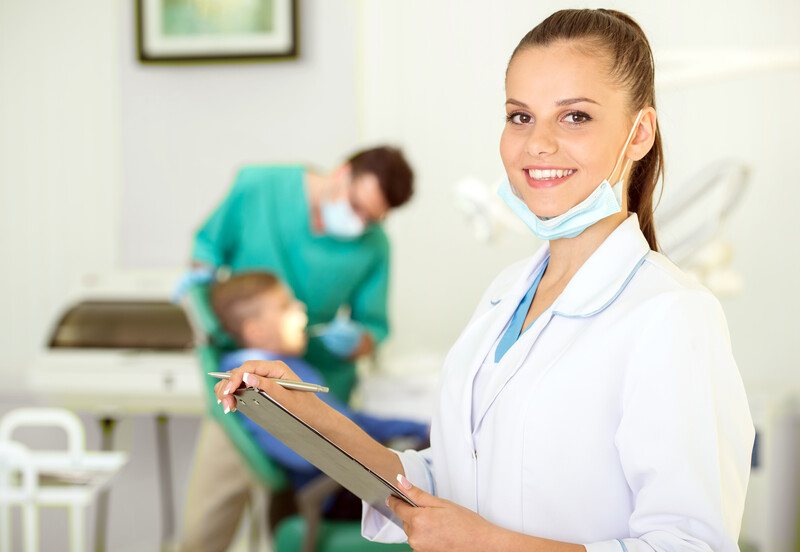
108,165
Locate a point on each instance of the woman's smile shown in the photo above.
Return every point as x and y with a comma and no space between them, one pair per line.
546,177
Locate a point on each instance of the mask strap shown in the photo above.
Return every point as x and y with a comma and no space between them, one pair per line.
627,164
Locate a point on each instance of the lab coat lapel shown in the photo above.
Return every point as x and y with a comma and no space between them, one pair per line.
516,357
598,282
486,328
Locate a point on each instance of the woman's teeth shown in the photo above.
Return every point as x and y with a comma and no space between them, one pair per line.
549,174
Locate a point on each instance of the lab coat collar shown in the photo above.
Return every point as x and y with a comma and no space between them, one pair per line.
596,284
606,273
593,288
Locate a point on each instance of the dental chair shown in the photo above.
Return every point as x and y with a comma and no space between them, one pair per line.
306,531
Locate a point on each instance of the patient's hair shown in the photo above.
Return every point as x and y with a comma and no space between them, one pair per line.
233,299
395,176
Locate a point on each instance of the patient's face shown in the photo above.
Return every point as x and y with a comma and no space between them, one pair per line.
280,324
564,113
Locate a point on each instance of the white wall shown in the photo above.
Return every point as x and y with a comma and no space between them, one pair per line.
59,161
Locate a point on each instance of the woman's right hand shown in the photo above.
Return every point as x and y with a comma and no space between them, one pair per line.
258,374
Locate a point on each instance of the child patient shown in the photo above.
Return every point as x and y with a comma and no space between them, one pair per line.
264,318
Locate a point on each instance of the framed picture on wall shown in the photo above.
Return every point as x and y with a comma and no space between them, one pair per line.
170,31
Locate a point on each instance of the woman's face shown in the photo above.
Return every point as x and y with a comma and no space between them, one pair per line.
566,125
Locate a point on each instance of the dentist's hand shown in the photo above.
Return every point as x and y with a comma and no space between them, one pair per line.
342,337
438,525
195,276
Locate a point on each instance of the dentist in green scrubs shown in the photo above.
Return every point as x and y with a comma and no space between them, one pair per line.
322,235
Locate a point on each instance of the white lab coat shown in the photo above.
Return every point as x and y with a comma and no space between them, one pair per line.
618,420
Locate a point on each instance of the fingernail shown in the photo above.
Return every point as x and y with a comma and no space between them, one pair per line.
405,483
226,409
228,389
387,500
247,379
218,401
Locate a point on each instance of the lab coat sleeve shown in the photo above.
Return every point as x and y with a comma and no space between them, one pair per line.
216,238
685,437
418,468
369,301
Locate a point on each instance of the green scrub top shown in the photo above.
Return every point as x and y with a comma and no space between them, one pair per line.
264,224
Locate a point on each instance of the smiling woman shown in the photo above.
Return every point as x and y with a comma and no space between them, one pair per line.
593,401
569,93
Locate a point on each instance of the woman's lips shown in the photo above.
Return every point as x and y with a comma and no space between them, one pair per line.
547,182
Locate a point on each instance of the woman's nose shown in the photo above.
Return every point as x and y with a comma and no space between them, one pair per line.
541,141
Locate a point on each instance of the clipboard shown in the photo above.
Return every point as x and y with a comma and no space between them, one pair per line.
319,450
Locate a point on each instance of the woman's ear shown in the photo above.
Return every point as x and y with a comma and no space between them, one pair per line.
645,135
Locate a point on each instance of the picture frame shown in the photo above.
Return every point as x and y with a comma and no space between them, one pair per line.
207,31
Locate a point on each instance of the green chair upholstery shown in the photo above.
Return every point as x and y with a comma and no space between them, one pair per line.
333,536
218,341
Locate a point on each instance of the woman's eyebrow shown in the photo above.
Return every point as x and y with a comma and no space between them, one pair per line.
516,102
570,101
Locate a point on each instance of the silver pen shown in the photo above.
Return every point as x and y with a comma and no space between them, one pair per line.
288,384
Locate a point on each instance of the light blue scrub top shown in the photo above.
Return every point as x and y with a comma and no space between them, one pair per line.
514,330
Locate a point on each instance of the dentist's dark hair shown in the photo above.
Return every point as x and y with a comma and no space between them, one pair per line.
395,176
631,65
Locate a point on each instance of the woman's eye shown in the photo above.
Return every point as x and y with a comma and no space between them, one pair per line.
576,117
519,118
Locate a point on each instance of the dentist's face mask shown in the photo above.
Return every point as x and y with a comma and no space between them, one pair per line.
604,201
340,221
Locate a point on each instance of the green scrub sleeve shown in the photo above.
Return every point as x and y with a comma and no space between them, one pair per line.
217,237
369,302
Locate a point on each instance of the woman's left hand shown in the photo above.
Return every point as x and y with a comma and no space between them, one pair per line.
440,525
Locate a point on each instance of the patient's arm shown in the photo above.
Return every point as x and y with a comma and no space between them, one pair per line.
311,409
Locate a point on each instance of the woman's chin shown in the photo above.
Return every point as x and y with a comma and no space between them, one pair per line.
548,212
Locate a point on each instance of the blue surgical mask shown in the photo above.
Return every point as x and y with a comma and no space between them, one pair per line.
340,221
604,201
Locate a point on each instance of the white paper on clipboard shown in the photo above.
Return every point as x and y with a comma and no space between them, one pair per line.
319,450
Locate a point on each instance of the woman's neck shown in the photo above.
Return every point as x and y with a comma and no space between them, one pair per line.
567,255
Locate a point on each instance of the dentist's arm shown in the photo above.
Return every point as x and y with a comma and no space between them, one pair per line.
312,410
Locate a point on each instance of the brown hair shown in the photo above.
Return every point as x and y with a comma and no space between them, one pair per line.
232,299
395,176
631,65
